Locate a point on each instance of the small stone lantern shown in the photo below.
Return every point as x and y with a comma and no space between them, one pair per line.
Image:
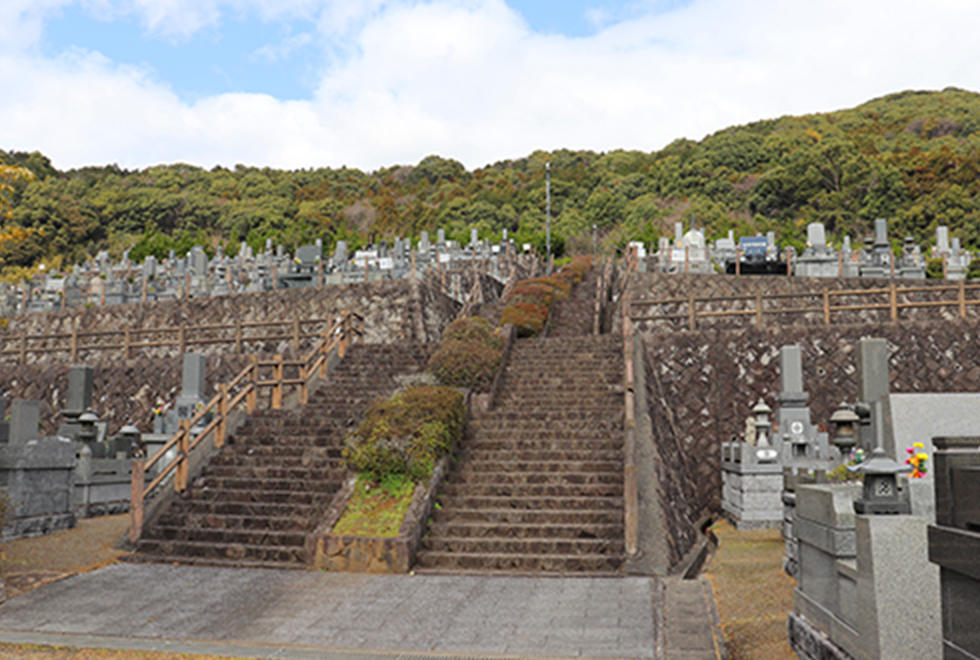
764,451
846,421
129,441
881,494
88,432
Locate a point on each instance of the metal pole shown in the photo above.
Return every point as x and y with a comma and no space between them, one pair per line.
595,252
547,193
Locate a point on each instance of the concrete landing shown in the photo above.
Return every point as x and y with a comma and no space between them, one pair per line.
174,607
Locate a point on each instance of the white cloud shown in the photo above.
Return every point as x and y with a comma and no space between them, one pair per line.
469,80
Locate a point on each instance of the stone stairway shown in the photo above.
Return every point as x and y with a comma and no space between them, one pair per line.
260,496
538,484
574,317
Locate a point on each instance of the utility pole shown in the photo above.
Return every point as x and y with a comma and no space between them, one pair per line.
595,252
547,194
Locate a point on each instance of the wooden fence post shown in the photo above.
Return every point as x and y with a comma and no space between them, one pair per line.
222,429
826,307
238,335
961,296
181,343
692,323
277,388
893,301
252,398
180,473
74,341
413,267
758,309
126,344
303,393
296,334
23,347
136,502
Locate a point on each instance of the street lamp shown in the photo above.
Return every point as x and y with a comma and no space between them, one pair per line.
547,194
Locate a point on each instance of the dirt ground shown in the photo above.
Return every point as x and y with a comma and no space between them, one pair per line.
752,593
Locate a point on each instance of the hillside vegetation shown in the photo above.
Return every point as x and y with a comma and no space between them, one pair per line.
911,157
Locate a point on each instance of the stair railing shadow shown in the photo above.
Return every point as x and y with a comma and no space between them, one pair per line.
243,388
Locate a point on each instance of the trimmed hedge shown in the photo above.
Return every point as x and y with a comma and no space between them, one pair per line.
530,302
407,434
469,355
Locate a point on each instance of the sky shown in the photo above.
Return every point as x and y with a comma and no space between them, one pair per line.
375,83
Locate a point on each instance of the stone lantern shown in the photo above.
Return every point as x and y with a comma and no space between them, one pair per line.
87,433
128,441
764,451
846,421
881,494
880,472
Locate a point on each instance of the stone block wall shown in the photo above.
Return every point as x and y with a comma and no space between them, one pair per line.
392,310
701,386
127,390
654,286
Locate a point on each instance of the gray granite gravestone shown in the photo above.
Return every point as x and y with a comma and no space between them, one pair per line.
192,385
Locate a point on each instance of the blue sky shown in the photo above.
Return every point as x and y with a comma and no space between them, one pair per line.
236,55
374,83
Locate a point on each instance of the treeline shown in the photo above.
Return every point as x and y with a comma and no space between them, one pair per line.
911,157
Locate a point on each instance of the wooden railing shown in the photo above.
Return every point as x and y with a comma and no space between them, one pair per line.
892,298
183,337
243,388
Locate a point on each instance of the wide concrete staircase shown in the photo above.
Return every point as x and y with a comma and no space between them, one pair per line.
538,484
257,500
573,317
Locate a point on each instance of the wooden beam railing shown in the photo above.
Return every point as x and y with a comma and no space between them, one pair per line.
244,387
892,298
130,340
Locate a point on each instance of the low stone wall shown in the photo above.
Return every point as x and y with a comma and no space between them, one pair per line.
701,386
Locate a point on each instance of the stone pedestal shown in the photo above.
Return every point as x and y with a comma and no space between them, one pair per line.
751,494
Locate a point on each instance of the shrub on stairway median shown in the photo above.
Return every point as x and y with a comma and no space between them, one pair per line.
407,434
530,302
469,355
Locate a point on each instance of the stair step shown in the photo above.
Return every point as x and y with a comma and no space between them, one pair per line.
497,516
234,552
469,464
523,546
226,536
295,523
548,503
519,562
481,530
479,479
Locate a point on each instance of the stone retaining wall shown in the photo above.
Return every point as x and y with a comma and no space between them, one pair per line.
701,386
127,390
392,310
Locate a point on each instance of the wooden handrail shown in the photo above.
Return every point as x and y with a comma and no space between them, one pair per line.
143,338
759,309
222,404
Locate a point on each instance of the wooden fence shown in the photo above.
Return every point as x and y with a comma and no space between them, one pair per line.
827,305
243,388
183,337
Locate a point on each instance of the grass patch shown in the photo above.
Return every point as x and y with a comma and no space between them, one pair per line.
376,509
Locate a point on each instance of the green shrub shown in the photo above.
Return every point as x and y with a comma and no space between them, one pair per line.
469,355
973,270
934,268
407,434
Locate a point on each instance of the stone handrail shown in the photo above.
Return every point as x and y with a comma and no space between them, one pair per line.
248,382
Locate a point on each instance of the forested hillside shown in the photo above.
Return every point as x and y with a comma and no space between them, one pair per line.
912,157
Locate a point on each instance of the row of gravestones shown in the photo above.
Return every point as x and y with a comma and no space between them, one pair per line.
51,481
888,567
101,282
690,252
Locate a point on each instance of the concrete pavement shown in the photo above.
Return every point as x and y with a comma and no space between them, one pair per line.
311,614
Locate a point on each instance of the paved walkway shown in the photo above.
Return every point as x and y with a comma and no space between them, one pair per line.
591,617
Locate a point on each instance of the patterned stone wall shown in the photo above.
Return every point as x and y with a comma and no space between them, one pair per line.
701,386
654,286
392,310
127,389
